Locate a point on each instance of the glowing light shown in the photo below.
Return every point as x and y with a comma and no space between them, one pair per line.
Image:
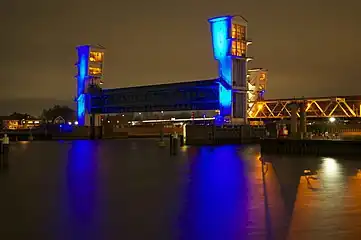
220,36
69,123
96,56
83,63
332,119
218,120
95,71
331,168
81,109
176,120
83,53
76,123
221,41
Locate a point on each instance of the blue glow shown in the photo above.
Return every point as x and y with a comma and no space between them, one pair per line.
81,110
262,93
218,120
66,128
83,63
81,186
218,197
221,41
220,28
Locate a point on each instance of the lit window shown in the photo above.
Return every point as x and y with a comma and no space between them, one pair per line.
238,32
234,31
263,77
239,48
94,71
239,44
95,57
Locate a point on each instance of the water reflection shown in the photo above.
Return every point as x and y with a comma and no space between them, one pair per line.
133,189
331,168
82,174
217,200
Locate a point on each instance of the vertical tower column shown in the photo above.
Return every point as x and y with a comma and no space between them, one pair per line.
229,40
90,73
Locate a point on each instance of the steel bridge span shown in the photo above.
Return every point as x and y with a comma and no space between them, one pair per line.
317,107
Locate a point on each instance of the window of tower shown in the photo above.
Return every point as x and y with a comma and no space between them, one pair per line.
96,56
239,44
238,32
239,48
95,71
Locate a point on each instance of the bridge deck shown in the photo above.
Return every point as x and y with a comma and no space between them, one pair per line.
196,95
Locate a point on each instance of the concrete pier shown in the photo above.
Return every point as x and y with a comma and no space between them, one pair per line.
325,148
212,135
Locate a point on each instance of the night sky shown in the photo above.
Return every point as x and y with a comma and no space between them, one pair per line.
310,47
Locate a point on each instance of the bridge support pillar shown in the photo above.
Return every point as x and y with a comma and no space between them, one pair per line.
303,127
294,118
93,121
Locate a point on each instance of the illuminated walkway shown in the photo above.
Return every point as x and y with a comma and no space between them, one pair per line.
131,189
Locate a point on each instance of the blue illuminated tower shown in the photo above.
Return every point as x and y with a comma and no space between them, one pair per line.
90,73
229,40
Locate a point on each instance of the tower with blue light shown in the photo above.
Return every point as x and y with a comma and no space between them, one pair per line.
90,73
229,41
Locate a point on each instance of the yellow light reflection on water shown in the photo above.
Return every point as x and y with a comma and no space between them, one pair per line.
330,167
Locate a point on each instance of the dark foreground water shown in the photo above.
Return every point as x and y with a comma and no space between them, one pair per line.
132,189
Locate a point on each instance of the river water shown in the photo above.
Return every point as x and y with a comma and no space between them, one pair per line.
133,189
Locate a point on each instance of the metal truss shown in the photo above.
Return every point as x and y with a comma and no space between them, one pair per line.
341,107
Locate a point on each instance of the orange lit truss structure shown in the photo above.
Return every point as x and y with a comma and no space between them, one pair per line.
324,107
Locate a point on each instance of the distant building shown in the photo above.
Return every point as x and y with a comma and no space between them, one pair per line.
9,123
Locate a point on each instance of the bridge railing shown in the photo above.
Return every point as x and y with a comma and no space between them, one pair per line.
315,108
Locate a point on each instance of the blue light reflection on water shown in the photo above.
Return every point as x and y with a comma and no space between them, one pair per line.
217,200
82,186
110,191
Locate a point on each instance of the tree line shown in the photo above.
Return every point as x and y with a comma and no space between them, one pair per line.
67,113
